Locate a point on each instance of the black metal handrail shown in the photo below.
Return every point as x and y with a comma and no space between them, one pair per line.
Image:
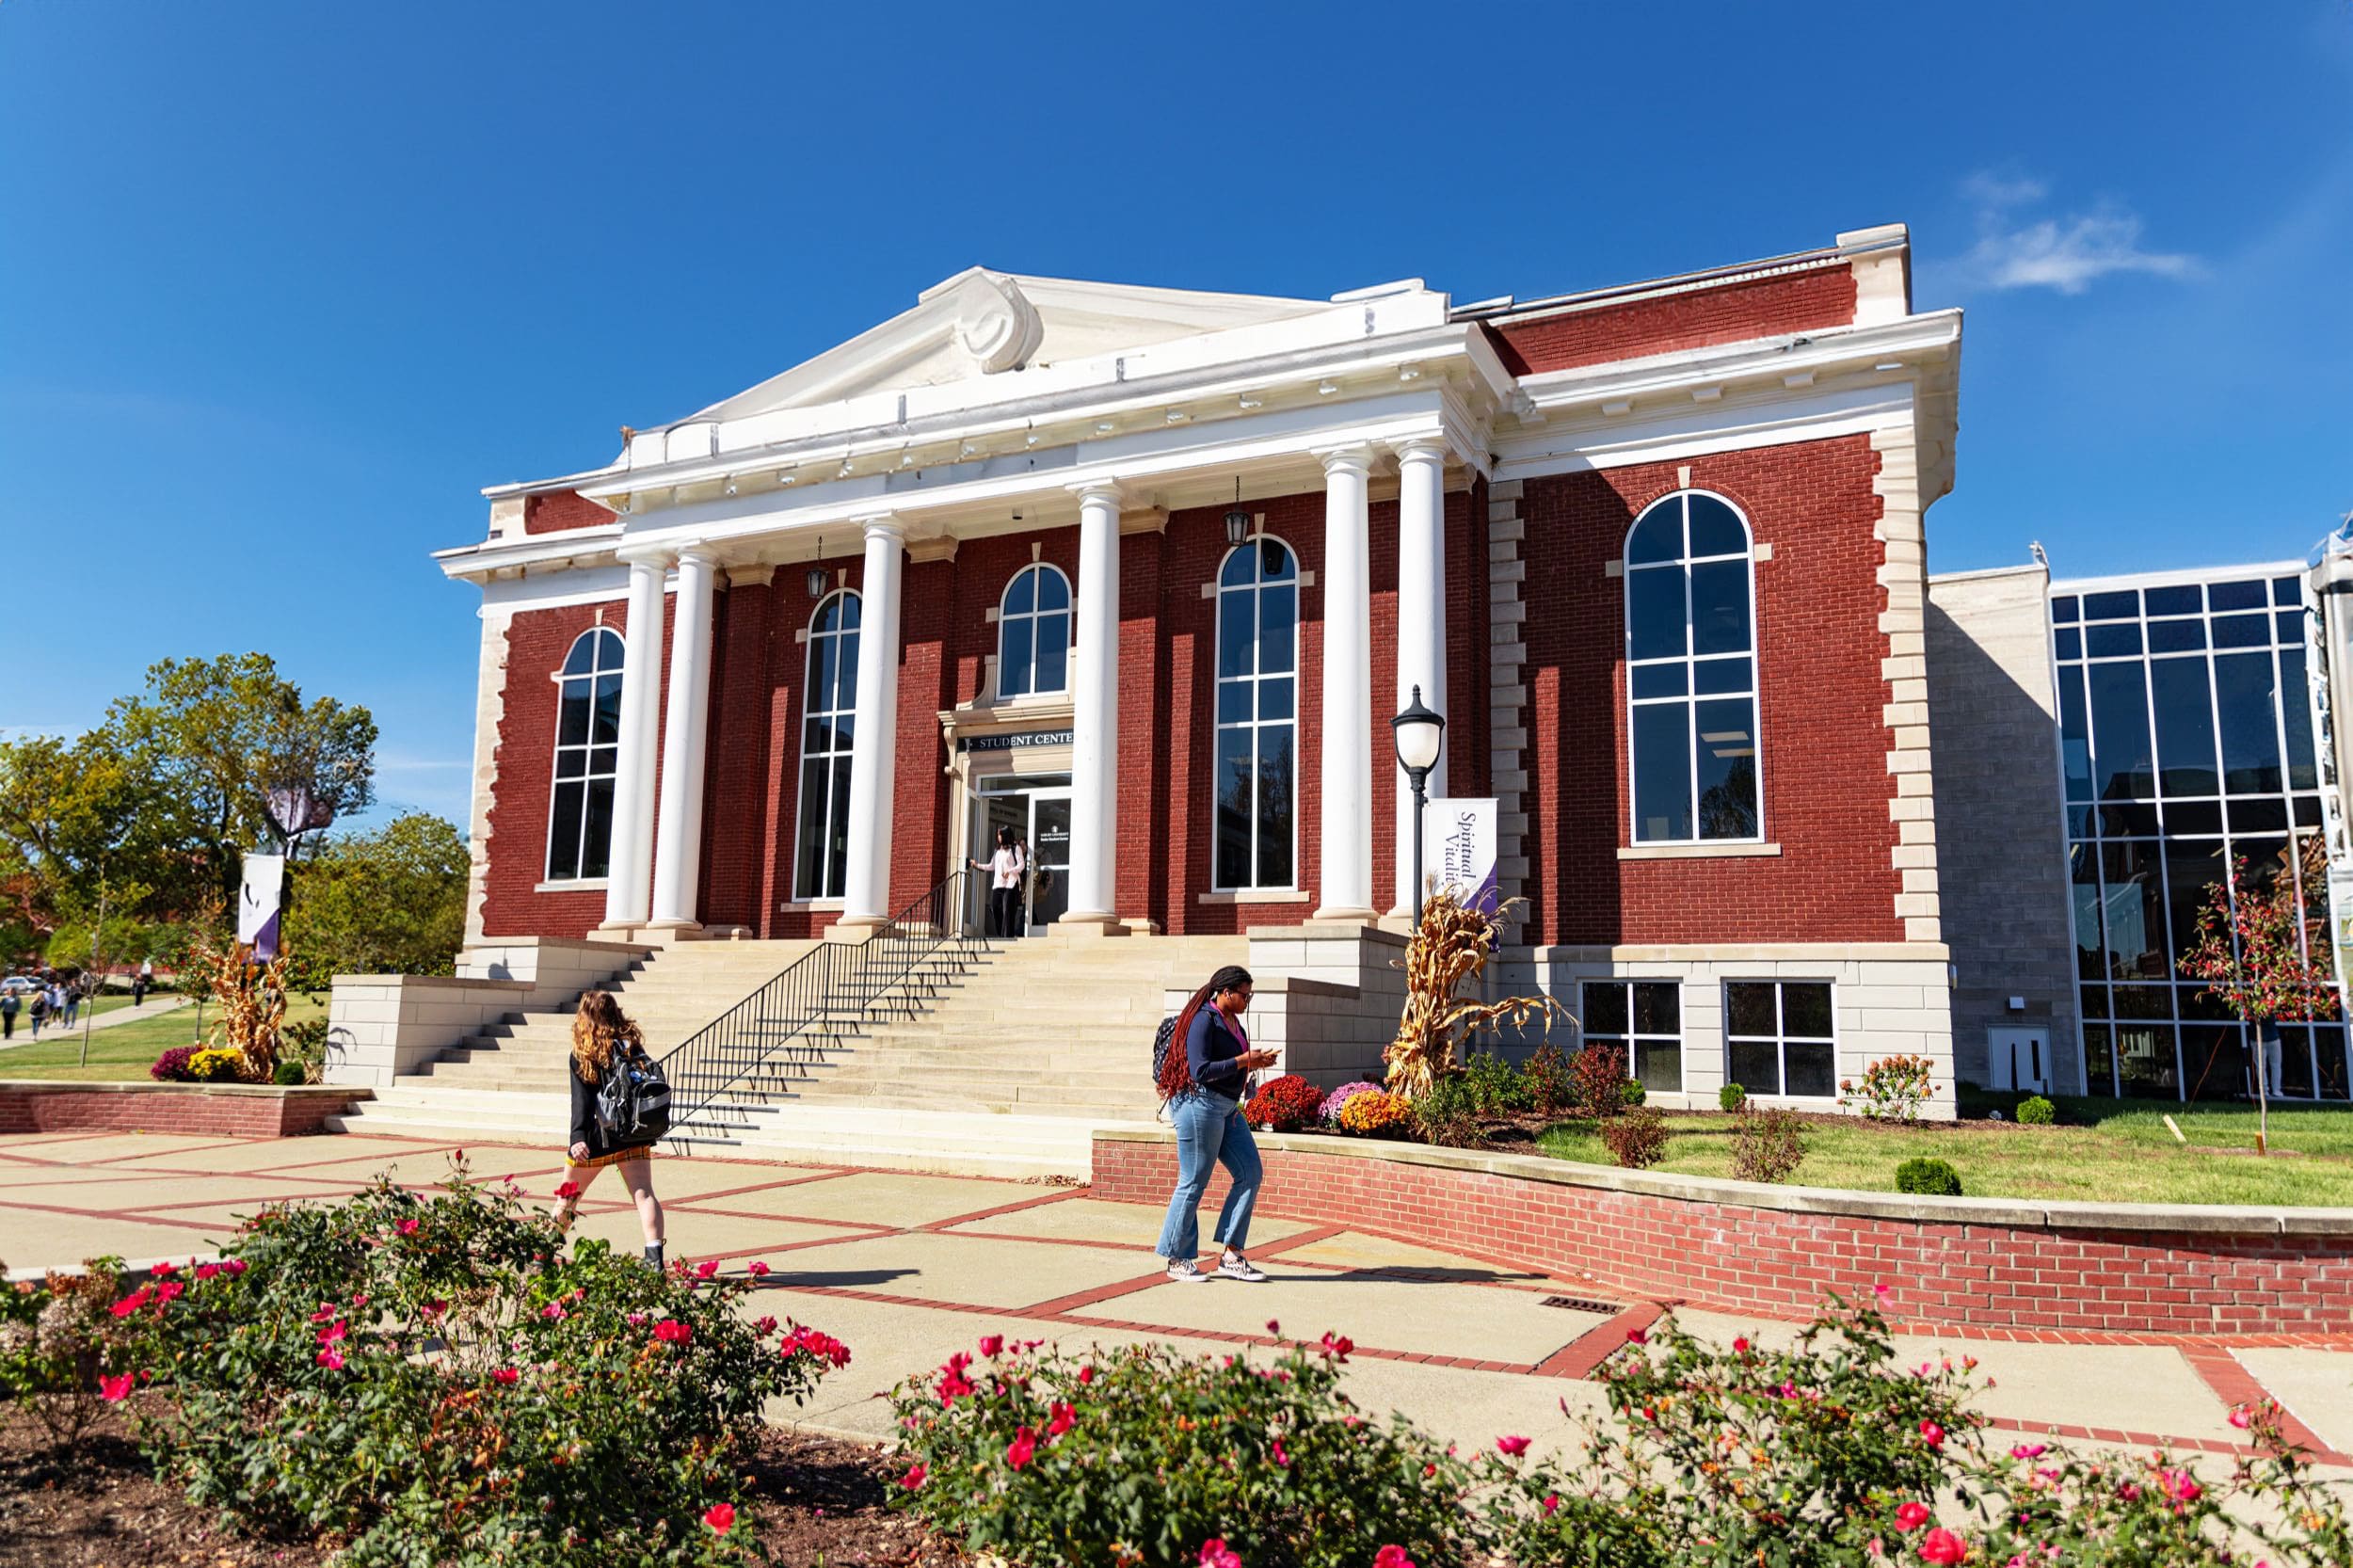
826,993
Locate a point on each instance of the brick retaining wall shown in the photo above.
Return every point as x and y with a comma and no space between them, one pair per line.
212,1109
2102,1268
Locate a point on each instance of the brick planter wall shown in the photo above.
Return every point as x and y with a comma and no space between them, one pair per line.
2104,1268
213,1109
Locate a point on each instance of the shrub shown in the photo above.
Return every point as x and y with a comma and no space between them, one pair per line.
1377,1115
1637,1140
1549,1089
1330,1110
1934,1177
2035,1111
1731,1097
1284,1104
580,1399
173,1066
1596,1080
1141,1456
1495,1089
216,1066
305,1042
1448,1115
1766,1145
1892,1089
57,1340
1635,1091
288,1075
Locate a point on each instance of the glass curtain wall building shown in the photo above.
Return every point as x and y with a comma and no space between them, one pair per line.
2186,741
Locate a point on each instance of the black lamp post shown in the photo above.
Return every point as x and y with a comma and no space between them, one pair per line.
1418,732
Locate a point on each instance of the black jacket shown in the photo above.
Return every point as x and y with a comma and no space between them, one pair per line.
1211,1045
586,1129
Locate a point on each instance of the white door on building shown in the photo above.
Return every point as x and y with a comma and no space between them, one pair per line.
2019,1059
1038,811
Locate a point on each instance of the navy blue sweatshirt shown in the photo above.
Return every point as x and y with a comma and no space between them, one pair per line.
1210,1046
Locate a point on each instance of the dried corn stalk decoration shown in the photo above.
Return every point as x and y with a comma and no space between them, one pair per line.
251,998
1450,950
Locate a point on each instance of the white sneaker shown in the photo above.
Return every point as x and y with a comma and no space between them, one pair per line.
1185,1272
1234,1265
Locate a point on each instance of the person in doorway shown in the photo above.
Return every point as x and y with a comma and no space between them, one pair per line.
603,1039
1005,868
1204,1082
10,1005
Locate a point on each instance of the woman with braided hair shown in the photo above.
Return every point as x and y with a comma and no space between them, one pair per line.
1204,1082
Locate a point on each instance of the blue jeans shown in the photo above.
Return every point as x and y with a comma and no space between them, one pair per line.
1210,1133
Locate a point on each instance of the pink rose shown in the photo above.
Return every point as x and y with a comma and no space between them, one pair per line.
1216,1554
1391,1556
913,1480
331,1358
1933,1433
992,1343
1912,1517
1512,1448
1942,1546
116,1389
1022,1448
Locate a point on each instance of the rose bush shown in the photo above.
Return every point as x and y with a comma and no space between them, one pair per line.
431,1380
1150,1456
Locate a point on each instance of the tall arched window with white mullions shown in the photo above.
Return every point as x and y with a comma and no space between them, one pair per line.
587,757
1690,660
1257,723
828,721
1033,633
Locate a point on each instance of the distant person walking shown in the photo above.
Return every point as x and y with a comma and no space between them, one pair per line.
1005,870
69,1002
1204,1082
602,1037
139,984
10,1005
40,1011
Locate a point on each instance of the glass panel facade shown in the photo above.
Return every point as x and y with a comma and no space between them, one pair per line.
821,867
1256,777
1688,636
2185,741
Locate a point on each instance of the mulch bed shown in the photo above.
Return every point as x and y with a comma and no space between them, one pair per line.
815,1501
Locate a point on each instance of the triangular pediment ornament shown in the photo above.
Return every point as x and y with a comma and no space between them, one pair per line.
983,323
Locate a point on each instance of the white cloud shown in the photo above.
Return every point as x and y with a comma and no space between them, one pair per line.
2067,253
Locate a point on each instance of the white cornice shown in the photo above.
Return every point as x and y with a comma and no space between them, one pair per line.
1914,339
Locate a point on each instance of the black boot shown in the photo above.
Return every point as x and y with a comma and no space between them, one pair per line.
654,1255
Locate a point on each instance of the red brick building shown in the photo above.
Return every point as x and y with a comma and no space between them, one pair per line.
1144,574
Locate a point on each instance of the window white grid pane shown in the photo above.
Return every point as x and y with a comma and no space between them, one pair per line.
1254,770
588,753
1034,632
828,728
1691,652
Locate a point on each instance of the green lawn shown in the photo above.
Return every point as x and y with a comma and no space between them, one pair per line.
2119,1152
123,1052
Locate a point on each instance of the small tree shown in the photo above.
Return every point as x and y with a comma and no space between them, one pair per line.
2254,950
1448,952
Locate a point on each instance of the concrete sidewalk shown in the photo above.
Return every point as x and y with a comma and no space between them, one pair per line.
908,1269
156,1007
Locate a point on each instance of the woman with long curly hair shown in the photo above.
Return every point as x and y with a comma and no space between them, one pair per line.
1204,1082
602,1037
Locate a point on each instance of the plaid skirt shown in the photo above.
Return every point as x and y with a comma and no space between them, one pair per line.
618,1156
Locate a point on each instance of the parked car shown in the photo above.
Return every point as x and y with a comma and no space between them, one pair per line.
20,985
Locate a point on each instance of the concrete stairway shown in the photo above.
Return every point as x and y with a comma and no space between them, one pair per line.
1007,1072
511,1079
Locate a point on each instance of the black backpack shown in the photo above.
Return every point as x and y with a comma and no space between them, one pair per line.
634,1101
1162,1039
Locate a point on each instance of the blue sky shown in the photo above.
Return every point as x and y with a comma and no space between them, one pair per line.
282,285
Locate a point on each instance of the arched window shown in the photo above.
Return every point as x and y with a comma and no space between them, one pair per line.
1033,633
587,757
1690,664
830,716
1257,706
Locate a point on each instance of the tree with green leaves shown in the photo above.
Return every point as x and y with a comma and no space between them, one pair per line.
218,735
77,822
390,902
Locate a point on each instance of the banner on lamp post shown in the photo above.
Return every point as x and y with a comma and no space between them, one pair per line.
258,903
1460,836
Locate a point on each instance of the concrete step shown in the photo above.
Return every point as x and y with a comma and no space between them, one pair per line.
913,1139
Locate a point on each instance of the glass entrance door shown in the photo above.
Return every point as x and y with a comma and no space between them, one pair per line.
1037,810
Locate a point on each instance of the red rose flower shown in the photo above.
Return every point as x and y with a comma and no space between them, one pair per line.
569,1189
672,1332
1022,1448
1933,1433
408,1227
1391,1556
1066,1417
720,1518
706,1269
1216,1554
1943,1547
1086,1374
1911,1517
114,1389
756,1270
1740,1345
913,1480
1512,1448
992,1343
331,1358
505,1377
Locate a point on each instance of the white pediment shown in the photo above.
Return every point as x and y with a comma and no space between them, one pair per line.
981,322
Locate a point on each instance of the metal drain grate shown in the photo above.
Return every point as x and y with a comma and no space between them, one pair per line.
1583,1304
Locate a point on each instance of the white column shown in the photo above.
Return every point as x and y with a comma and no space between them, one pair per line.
1420,624
629,884
1094,717
685,737
1347,760
874,744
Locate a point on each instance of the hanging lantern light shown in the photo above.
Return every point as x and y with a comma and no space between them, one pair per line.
1237,522
817,572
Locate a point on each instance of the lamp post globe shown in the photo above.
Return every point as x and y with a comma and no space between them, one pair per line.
1419,731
